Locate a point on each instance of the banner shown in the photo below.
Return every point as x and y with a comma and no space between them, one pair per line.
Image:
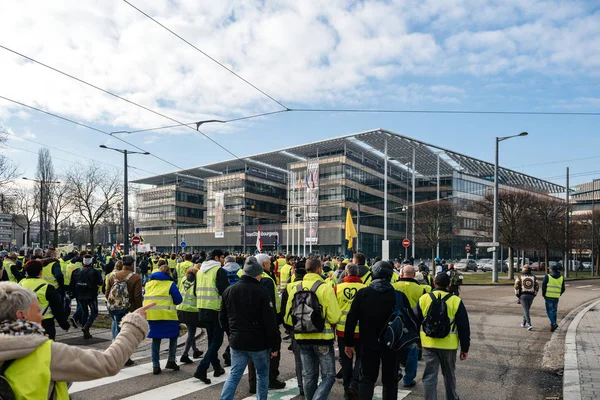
311,202
269,235
219,215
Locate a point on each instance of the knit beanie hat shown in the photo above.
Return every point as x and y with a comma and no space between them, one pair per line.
252,267
382,269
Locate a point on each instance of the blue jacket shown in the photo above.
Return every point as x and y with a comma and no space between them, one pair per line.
165,329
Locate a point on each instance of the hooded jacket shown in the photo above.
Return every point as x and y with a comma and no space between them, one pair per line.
76,364
555,274
165,329
206,316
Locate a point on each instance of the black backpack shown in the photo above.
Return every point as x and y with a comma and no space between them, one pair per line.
6,392
306,311
400,331
86,284
437,323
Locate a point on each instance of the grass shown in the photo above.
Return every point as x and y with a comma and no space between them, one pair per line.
486,277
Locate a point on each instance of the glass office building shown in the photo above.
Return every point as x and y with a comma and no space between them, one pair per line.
299,198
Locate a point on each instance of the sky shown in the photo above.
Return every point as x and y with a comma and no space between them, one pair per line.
460,55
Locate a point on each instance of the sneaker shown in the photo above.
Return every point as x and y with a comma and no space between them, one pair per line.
172,365
129,362
276,384
197,354
529,327
73,323
218,372
156,370
553,327
202,377
523,325
185,359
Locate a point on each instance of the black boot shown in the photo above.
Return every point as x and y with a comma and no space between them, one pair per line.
185,359
197,354
172,365
227,359
218,372
86,333
202,376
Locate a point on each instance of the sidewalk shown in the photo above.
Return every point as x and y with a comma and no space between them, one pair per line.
582,356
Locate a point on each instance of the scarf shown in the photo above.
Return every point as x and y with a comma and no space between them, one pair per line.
381,284
20,328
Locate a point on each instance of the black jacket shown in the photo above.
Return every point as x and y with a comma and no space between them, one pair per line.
371,309
84,275
248,317
555,275
56,305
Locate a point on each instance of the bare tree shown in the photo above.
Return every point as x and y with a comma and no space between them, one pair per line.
59,205
8,170
434,223
94,192
46,177
545,223
25,210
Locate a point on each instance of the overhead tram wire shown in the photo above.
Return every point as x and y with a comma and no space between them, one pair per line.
207,55
88,127
508,112
121,98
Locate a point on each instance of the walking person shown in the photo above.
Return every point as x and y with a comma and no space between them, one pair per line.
234,272
315,342
440,345
162,318
211,282
370,310
48,297
84,285
249,319
526,288
187,313
553,287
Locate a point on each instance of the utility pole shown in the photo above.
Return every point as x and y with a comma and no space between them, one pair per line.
567,238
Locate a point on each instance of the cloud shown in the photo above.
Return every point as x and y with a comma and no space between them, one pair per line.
333,53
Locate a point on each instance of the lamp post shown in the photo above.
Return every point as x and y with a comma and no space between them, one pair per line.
41,182
495,234
125,194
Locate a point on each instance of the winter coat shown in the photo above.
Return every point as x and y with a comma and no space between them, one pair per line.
165,329
248,317
77,364
91,293
134,286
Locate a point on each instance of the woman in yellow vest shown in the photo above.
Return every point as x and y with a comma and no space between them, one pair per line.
163,317
25,350
187,313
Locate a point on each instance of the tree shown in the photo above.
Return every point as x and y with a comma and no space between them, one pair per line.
94,192
46,177
24,210
434,223
59,204
8,170
545,223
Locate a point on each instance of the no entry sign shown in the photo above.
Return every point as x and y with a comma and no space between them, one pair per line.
406,243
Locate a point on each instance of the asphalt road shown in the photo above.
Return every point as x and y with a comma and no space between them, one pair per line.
504,361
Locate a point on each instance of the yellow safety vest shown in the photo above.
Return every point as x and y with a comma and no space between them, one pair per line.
70,269
554,287
207,295
63,266
107,277
426,287
22,258
450,342
172,263
240,272
7,264
277,295
284,276
36,386
34,283
330,307
395,278
346,292
186,288
158,292
412,290
48,276
181,268
367,278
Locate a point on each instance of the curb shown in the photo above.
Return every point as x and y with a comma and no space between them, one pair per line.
571,381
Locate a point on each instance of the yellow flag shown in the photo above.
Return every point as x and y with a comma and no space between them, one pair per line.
350,230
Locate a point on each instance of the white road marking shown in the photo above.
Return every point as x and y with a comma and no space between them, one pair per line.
378,393
125,373
180,388
581,287
596,289
567,284
289,392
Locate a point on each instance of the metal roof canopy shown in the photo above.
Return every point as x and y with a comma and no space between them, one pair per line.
369,146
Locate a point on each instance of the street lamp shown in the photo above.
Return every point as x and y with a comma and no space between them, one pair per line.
125,194
495,236
41,182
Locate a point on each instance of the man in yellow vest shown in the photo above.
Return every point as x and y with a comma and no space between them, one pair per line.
211,282
346,292
553,287
363,271
13,270
50,301
52,272
285,272
408,285
439,350
183,266
316,348
419,277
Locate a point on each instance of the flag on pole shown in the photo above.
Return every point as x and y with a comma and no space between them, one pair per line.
112,253
350,229
306,180
259,245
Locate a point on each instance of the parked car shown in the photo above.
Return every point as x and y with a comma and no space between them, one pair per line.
587,265
466,265
538,266
485,264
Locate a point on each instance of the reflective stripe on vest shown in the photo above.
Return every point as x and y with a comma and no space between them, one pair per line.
7,264
277,295
158,292
48,276
207,295
346,292
34,283
412,290
284,276
36,367
450,342
189,297
554,287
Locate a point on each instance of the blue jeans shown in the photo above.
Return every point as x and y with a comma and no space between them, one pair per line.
156,351
315,357
214,334
551,309
239,361
89,311
117,316
412,361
